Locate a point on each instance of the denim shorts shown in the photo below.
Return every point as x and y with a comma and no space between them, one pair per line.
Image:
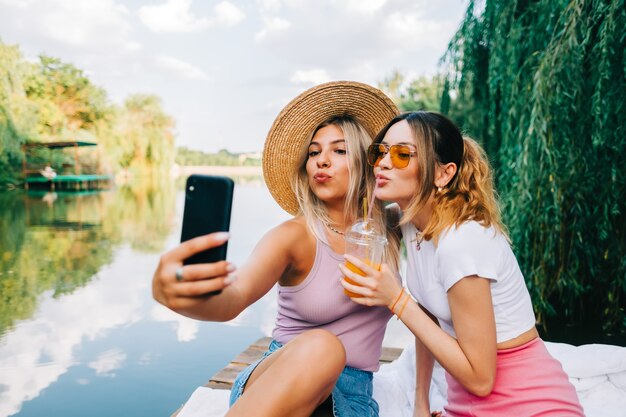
352,395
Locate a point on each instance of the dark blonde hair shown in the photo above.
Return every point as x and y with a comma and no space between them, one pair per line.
469,195
361,185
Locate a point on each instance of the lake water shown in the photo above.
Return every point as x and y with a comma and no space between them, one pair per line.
80,334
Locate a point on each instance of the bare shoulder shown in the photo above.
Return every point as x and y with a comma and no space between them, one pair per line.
292,229
289,234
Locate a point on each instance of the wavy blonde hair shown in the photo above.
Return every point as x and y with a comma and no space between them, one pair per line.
469,195
361,184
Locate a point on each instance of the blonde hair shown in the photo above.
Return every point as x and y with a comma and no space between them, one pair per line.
469,195
360,185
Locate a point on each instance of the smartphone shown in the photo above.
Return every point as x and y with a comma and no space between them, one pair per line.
208,202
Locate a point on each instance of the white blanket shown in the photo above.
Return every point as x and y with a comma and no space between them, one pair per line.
597,371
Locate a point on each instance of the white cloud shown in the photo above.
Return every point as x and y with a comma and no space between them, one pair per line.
182,68
107,362
173,16
313,76
410,29
17,3
176,16
93,24
133,46
275,41
275,5
360,6
271,26
227,14
269,5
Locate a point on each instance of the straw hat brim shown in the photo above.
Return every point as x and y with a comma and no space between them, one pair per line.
285,140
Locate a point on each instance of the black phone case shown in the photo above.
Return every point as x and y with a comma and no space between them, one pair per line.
208,202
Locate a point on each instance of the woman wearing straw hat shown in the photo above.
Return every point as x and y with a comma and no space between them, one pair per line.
462,270
324,346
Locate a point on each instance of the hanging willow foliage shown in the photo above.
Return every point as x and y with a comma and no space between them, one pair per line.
543,85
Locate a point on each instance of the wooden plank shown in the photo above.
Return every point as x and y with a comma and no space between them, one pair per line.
249,355
389,354
224,378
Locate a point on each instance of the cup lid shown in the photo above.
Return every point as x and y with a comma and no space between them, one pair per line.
367,230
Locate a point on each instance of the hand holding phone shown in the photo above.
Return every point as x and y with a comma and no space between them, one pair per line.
208,203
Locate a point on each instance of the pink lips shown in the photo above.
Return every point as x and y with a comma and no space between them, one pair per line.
322,178
381,180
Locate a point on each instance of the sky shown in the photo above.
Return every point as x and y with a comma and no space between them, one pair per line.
224,69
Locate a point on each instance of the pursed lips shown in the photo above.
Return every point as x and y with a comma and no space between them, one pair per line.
381,180
321,177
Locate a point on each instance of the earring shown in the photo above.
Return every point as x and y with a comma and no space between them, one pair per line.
438,189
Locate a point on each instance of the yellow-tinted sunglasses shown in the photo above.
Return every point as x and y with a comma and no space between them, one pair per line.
400,154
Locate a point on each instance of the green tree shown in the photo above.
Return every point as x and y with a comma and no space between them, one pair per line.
143,135
422,93
68,100
191,157
51,100
543,86
16,113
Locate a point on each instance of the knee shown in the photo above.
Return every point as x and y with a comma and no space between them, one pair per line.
322,347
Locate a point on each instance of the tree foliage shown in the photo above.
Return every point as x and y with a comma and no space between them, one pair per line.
192,157
142,136
51,100
543,85
422,93
15,112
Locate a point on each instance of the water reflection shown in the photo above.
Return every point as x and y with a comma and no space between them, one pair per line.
58,241
186,330
38,351
52,245
76,309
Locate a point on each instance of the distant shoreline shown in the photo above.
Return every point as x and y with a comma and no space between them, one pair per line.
218,170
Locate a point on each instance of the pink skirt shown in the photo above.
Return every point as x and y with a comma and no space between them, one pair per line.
529,382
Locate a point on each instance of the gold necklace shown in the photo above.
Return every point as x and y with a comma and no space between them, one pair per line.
339,232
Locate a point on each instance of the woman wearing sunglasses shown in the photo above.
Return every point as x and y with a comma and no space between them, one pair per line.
324,346
473,312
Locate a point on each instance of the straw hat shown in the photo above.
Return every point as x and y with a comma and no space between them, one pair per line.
285,140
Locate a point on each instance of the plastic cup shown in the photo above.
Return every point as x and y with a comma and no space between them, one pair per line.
366,241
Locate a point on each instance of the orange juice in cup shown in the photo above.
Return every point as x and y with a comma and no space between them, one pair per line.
364,240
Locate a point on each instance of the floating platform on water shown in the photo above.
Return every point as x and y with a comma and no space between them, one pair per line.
42,176
70,182
224,378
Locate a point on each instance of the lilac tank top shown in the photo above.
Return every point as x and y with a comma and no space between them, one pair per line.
318,302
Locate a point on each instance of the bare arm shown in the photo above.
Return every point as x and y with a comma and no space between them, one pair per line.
268,261
424,363
423,373
471,357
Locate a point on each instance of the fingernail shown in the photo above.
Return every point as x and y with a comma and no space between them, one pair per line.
230,268
221,236
230,279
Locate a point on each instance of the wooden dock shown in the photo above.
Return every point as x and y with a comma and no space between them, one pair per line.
225,377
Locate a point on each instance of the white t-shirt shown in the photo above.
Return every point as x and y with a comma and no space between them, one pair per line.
466,250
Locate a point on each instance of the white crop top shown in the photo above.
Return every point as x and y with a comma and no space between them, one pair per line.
469,249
